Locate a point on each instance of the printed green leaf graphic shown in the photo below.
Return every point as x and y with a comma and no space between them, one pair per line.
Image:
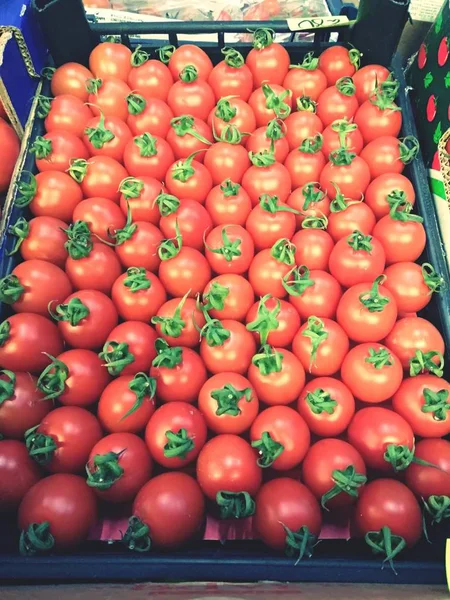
437,133
438,22
428,80
447,80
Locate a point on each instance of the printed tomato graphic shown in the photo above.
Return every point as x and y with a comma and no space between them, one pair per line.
422,57
436,165
443,52
431,107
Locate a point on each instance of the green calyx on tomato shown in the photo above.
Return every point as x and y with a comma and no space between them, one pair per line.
52,380
27,190
40,447
228,398
165,53
78,169
44,104
438,507
139,57
230,134
311,145
168,356
432,279
314,222
341,157
340,202
297,280
401,210
317,333
233,58
144,387
73,312
268,449
354,57
262,38
229,188
229,249
137,280
235,505
215,298
436,403
401,456
167,204
20,229
35,539
268,360
423,362
183,170
99,136
146,144
383,99
262,159
48,72
5,329
360,242
93,85
372,300
131,187
79,241
379,358
137,535
224,110
306,104
42,147
347,481
172,326
124,234
104,470
284,251
184,125
276,102
213,331
396,197
343,127
409,149
309,63
10,289
171,247
320,401
385,543
189,74
266,320
270,204
179,444
275,130
312,194
136,104
299,543
345,86
116,356
7,385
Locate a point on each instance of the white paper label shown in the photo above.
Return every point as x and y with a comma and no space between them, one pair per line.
424,10
306,24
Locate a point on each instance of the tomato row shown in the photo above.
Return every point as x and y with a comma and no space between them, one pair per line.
217,305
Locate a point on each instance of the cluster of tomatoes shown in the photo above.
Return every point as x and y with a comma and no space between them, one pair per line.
218,300
11,146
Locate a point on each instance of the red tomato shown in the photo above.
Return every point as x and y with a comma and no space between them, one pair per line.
172,507
349,172
98,270
334,472
347,217
309,201
189,179
314,247
127,403
268,222
232,111
151,79
305,79
367,314
387,154
71,78
270,267
178,321
337,62
423,402
191,95
137,245
367,79
130,348
313,293
110,59
224,160
270,102
228,474
100,176
231,77
56,150
267,60
138,197
228,204
102,215
41,238
138,295
273,321
50,194
148,156
118,466
22,405
357,259
429,481
372,373
274,132
386,188
187,54
186,272
148,115
320,345
401,234
228,296
384,439
109,97
107,136
63,439
327,406
281,437
229,249
288,517
57,512
65,112
187,135
412,285
266,176
24,340
305,163
175,434
412,334
342,132
226,346
376,118
192,218
18,473
300,126
337,102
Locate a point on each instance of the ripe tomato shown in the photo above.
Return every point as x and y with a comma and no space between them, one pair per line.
137,245
179,373
274,133
372,373
110,59
412,334
270,102
384,438
401,234
138,197
57,512
103,216
347,217
106,136
386,188
288,517
71,78
389,517
269,221
191,95
170,509
127,403
18,473
32,285
130,348
229,249
138,295
175,434
187,54
24,340
118,466
63,439
231,76
429,481
189,179
65,112
109,97
367,79
412,285
281,437
148,115
226,346
387,154
56,150
151,79
178,321
305,163
310,201
378,117
228,296
312,293
341,132
320,345
183,270
327,405
337,102
228,204
267,60
50,194
305,79
266,176
357,259
349,172
423,402
22,405
300,126
97,270
100,176
314,247
277,376
227,158
273,321
270,267
148,156
187,135
40,238
367,314
232,112
228,474
337,62
334,472
85,319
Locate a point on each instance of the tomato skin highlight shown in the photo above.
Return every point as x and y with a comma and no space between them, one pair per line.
381,186
98,271
350,266
192,317
189,54
279,387
153,79
336,62
351,179
71,78
274,181
234,355
18,473
238,301
288,322
406,282
375,122
45,241
140,338
103,216
366,80
57,196
314,247
141,249
230,209
187,273
269,64
140,304
428,481
69,113
183,382
109,59
219,263
410,334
